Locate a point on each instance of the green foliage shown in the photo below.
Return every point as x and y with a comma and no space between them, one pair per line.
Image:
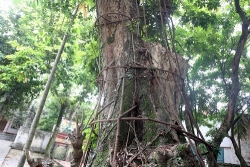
208,37
21,68
29,43
199,18
50,114
93,138
88,115
241,127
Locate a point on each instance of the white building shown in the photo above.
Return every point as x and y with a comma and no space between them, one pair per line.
227,153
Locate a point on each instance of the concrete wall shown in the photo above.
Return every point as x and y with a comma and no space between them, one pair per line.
61,150
245,151
39,142
245,148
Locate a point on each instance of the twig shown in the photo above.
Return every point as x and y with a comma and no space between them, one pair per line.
86,148
148,144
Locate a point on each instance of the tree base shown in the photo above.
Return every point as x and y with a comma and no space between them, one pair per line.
173,155
43,162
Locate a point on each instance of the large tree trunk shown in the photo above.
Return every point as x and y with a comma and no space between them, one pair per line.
140,82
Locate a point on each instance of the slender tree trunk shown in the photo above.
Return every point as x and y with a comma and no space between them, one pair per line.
42,102
238,137
40,108
238,154
55,131
235,87
237,150
226,124
140,82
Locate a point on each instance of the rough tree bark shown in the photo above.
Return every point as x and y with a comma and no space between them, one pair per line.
140,83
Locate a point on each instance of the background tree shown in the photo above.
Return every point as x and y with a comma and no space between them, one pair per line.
19,84
31,36
43,99
47,14
216,45
63,105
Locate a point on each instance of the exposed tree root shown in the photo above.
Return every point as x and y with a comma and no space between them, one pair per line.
171,155
40,162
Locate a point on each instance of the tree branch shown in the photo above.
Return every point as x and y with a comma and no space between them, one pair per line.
235,86
240,11
222,68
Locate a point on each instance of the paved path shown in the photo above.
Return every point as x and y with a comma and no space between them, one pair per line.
10,157
4,150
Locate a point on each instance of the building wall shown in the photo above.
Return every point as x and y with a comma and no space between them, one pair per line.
228,155
229,152
8,126
3,123
245,150
245,147
226,144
